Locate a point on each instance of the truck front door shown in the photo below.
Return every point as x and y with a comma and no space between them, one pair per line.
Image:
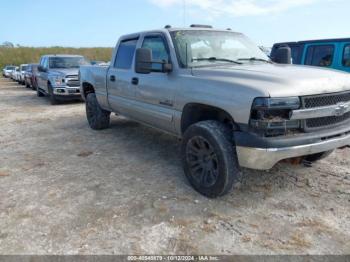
155,92
42,76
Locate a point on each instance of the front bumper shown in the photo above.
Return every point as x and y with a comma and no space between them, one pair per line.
264,158
66,91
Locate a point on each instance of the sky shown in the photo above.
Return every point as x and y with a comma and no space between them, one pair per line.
99,23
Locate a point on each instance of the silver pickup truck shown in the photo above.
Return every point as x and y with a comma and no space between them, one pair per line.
57,77
222,95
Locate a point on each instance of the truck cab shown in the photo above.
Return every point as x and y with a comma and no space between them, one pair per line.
328,53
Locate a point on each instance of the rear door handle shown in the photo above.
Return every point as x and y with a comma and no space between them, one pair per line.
112,78
135,81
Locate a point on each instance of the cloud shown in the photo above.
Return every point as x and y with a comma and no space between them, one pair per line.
236,8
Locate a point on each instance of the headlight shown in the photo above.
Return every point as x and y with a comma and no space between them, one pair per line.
271,116
58,81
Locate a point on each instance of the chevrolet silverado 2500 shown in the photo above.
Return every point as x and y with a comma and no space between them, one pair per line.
228,102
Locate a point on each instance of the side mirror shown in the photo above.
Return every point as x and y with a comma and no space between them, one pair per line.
283,55
167,68
41,68
143,61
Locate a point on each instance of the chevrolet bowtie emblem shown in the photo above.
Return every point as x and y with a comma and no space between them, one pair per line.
341,109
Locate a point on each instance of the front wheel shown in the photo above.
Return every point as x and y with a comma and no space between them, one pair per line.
319,156
209,158
52,97
38,92
97,117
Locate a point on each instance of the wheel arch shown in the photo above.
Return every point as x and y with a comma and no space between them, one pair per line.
87,88
197,112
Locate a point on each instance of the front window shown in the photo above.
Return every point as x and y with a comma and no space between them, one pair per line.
24,68
67,62
346,56
10,68
159,51
205,48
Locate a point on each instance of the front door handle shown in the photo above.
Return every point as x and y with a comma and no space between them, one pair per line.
112,78
135,81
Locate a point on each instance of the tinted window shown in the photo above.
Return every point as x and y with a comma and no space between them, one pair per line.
295,54
320,55
125,54
346,56
44,62
67,62
159,50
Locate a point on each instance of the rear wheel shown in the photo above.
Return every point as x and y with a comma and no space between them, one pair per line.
209,158
97,117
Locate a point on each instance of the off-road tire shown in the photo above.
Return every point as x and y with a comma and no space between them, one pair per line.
319,156
213,168
97,117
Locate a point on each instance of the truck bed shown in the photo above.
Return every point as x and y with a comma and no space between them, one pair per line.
95,76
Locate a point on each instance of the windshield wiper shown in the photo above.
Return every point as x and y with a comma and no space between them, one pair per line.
214,59
255,59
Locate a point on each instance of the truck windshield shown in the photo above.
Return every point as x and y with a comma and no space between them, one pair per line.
10,68
24,68
206,48
67,62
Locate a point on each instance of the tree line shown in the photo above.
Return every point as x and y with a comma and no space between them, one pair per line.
25,55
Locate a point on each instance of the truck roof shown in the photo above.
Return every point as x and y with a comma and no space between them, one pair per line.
315,41
172,29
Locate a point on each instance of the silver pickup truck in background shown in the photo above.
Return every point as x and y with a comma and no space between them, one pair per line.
222,95
57,77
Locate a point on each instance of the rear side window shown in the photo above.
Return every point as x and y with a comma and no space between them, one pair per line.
346,56
125,54
320,55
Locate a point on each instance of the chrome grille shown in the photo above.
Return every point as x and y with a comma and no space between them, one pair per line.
325,100
73,82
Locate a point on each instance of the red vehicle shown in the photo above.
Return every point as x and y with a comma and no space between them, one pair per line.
30,76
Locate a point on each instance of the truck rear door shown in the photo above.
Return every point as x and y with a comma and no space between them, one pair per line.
121,92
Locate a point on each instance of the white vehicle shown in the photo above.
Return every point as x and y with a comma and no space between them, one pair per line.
14,74
6,72
22,71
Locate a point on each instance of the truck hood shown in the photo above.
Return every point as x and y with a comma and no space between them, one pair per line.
65,72
278,80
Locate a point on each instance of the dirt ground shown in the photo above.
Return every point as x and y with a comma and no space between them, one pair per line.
66,189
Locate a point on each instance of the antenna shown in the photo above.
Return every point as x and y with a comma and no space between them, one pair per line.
184,12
